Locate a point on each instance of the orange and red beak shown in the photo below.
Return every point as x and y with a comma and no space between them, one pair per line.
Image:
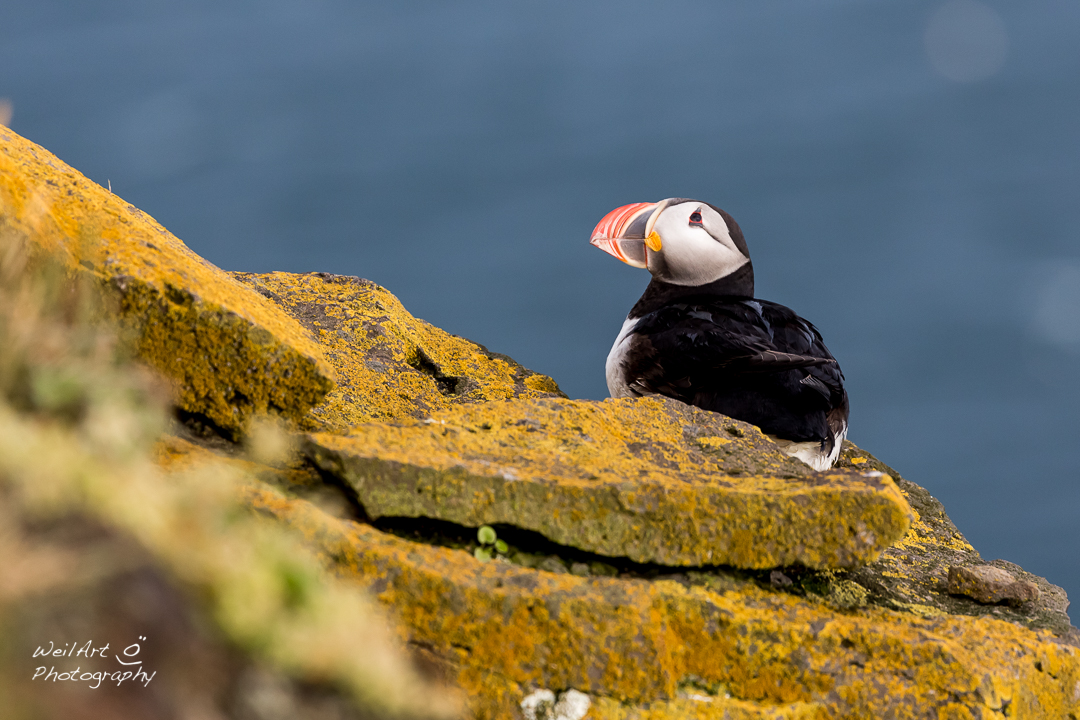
623,233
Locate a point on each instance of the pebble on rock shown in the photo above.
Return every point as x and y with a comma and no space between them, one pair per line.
988,584
779,579
541,705
537,705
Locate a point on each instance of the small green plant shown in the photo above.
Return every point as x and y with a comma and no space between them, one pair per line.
490,544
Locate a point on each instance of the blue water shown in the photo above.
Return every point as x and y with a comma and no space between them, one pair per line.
908,181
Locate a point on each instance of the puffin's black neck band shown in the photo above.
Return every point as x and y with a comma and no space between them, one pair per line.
659,293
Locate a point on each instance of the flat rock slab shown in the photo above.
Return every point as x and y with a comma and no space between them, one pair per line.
230,352
989,584
649,479
388,363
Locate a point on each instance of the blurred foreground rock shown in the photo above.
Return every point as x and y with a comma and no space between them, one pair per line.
83,584
653,561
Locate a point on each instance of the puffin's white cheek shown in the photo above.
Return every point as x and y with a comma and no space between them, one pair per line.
697,258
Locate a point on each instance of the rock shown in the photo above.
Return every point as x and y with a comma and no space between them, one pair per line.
825,645
388,364
629,643
989,584
912,575
542,705
779,579
219,610
572,705
702,707
603,569
122,594
553,565
649,479
538,705
230,352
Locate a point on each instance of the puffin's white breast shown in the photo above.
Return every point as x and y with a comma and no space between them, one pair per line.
812,453
616,373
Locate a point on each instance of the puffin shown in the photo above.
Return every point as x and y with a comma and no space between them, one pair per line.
699,335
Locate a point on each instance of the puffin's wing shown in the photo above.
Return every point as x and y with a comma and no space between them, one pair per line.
794,334
680,348
773,360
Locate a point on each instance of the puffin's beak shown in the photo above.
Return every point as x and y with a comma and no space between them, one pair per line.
622,233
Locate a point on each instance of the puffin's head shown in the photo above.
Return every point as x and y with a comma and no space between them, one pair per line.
680,241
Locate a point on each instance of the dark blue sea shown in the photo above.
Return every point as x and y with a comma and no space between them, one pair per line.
907,175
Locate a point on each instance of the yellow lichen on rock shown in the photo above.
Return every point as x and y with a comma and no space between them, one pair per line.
230,352
389,364
633,644
704,708
648,479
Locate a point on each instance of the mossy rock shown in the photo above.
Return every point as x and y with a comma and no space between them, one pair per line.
389,364
229,351
649,479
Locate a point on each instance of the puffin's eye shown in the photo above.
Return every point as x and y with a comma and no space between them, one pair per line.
695,218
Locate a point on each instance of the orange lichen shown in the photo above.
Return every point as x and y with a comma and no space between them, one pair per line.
231,352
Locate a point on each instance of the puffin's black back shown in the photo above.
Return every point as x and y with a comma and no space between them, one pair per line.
749,359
